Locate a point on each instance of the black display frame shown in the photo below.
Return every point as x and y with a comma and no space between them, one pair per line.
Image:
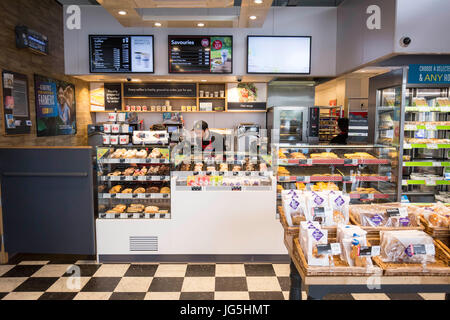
266,36
199,36
121,35
23,129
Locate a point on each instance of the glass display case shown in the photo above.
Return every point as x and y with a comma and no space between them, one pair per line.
291,123
364,172
133,182
230,171
426,163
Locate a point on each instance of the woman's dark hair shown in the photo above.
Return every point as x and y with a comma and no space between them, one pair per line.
201,125
343,124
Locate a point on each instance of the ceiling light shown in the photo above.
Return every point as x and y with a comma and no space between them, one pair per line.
204,80
258,1
252,17
158,24
200,24
122,12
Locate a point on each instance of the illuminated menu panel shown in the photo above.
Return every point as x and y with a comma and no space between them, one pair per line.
121,54
200,54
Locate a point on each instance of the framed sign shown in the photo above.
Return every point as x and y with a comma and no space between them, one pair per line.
105,96
247,96
160,90
55,107
16,107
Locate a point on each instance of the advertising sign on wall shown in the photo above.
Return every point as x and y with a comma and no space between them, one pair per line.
55,107
247,96
160,90
15,103
429,73
105,96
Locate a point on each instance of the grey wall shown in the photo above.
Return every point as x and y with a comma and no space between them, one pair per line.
290,95
427,23
356,44
318,22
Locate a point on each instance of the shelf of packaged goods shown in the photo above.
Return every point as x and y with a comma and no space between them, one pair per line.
426,164
120,216
428,109
345,162
430,146
134,178
142,196
428,182
369,196
137,161
223,173
429,127
223,188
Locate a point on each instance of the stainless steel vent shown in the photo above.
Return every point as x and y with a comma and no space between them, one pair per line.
144,243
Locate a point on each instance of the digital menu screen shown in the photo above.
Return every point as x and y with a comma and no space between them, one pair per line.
121,54
200,54
279,54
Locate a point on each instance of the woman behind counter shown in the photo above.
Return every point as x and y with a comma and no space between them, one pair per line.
342,137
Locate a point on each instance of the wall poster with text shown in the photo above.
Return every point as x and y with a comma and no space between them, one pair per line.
55,107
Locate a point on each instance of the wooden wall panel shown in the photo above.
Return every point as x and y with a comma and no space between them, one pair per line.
46,17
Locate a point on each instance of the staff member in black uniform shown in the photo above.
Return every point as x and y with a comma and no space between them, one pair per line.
342,137
201,129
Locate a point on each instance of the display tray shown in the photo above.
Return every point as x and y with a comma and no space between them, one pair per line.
340,268
137,161
134,196
374,232
439,233
345,162
223,173
131,216
224,188
345,179
135,178
441,267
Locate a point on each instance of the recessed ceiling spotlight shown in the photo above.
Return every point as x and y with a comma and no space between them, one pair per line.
258,1
122,12
204,80
158,24
201,24
252,17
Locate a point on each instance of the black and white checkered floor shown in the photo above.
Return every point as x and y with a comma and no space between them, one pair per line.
55,280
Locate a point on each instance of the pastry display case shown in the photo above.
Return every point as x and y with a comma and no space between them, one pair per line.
133,182
362,172
230,171
426,146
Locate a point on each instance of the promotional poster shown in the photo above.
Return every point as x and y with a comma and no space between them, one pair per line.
55,107
15,103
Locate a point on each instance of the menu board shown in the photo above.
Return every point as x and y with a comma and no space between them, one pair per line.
200,54
121,54
279,54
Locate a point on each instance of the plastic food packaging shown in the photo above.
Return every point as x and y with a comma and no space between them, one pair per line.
406,246
312,235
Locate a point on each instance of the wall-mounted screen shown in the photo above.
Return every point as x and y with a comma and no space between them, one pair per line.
121,54
201,54
279,54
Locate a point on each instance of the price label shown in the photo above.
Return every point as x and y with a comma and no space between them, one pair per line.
371,196
407,146
135,178
432,146
324,249
430,181
355,162
141,196
122,195
309,162
410,127
123,216
196,188
335,249
307,179
430,126
110,216
365,251
142,178
136,215
106,196
236,188
423,109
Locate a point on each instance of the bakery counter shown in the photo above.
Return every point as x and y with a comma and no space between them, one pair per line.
207,224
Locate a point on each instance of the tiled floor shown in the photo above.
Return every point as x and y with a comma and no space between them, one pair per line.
85,280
